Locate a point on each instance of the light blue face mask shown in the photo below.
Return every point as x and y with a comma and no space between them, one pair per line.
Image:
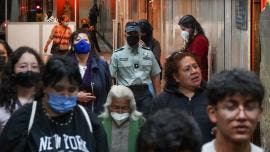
82,47
62,104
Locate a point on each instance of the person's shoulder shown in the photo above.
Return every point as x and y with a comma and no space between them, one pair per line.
201,37
209,147
145,48
255,148
119,50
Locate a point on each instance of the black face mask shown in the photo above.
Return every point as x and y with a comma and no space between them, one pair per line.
133,41
146,39
27,79
2,62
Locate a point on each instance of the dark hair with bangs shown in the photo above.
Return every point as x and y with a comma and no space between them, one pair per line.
171,65
59,67
231,82
188,21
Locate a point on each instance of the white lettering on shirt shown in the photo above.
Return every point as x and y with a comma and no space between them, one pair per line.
64,142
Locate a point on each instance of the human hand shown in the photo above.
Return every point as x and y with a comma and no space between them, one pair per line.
45,49
85,97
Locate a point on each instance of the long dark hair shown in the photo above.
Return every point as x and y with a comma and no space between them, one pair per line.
188,21
8,89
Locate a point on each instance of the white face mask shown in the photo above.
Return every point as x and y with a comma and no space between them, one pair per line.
185,35
65,23
119,118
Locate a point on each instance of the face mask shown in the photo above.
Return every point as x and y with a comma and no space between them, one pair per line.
27,79
65,23
119,118
62,104
133,41
82,47
2,62
185,35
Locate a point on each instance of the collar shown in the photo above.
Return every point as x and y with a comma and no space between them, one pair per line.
133,50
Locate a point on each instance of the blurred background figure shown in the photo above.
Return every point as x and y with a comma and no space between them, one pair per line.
92,16
21,82
49,17
93,70
169,130
60,35
150,42
235,106
148,39
56,122
121,120
5,53
185,90
195,41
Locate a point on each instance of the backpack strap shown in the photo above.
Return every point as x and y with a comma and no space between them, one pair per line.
86,117
34,107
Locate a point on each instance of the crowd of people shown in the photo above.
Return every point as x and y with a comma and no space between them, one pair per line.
76,101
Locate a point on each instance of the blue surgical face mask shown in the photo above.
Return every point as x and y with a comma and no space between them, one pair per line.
82,47
62,104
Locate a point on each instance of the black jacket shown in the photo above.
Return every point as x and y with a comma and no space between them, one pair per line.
197,107
48,136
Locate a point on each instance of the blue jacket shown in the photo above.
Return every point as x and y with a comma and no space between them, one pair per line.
98,75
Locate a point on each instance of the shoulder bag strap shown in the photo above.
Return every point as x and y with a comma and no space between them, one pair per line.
34,107
86,117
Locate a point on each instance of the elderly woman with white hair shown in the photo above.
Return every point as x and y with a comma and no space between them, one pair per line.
121,120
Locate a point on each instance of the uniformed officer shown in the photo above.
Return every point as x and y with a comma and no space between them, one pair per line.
135,67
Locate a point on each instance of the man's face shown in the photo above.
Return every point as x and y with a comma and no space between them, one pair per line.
236,117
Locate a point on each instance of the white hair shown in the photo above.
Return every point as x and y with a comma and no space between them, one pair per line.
120,91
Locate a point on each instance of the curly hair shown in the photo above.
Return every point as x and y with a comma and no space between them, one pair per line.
231,82
8,86
172,65
169,130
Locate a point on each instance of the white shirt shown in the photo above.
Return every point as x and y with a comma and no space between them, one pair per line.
210,147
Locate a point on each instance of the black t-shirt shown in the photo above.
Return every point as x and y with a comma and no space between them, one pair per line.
47,135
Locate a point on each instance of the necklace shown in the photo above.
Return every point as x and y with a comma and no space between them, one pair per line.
58,123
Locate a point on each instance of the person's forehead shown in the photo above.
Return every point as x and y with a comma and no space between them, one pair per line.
120,101
240,98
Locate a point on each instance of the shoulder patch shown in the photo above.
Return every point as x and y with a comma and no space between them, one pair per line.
146,48
119,49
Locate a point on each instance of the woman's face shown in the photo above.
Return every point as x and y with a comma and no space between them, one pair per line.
189,30
81,36
63,88
27,62
3,52
189,73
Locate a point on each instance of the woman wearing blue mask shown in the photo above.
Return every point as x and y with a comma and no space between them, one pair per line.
56,122
93,70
